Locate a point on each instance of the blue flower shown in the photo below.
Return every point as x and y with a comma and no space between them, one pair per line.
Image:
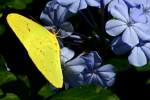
138,55
76,5
87,69
54,18
72,68
132,32
94,73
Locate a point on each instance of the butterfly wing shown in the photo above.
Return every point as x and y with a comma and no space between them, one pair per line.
41,45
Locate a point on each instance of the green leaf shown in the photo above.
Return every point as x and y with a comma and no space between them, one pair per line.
1,14
19,4
144,68
10,96
6,77
120,64
88,92
27,1
46,91
2,29
1,92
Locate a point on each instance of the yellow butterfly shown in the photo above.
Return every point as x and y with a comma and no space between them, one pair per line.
42,47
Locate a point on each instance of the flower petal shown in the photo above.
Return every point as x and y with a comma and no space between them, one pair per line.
146,49
115,27
106,68
119,10
94,3
65,2
142,30
66,54
130,37
137,57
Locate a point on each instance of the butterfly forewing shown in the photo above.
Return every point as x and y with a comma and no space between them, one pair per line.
42,47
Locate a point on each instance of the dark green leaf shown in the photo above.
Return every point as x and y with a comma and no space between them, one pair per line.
6,77
89,92
27,1
2,29
1,14
10,96
1,93
17,4
46,91
144,68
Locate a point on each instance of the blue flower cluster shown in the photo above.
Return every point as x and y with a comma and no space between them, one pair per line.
128,24
86,69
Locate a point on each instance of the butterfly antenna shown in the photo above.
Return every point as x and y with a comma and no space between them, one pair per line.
57,34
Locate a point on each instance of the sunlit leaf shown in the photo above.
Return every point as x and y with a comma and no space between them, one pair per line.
89,92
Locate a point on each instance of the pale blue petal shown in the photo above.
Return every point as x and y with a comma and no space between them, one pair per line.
130,37
110,82
145,3
66,54
146,49
94,3
62,13
66,2
142,30
115,27
106,68
138,15
78,5
107,2
76,61
133,3
76,69
137,57
120,11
